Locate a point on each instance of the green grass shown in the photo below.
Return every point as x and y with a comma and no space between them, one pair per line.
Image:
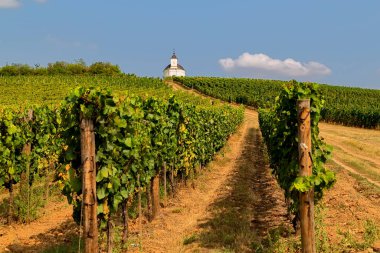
27,91
35,90
70,247
177,210
365,187
361,166
190,239
370,235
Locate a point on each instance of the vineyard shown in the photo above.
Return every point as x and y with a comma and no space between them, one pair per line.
27,91
51,90
137,139
149,139
344,105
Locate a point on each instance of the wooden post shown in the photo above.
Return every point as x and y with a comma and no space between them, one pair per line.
125,222
172,182
155,196
109,235
10,206
90,222
139,206
27,149
305,166
149,200
48,179
165,187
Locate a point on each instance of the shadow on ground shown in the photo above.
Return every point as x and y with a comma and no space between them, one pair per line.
250,203
63,238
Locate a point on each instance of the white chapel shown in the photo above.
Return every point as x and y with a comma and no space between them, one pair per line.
174,69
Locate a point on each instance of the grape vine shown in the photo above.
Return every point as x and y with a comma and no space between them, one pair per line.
279,128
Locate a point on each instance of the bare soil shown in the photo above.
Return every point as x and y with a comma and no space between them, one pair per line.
54,227
348,207
355,198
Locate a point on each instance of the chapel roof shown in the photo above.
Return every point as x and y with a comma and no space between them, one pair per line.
178,67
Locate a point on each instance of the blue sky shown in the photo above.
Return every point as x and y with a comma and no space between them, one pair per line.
328,41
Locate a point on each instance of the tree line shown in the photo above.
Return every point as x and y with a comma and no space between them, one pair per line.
79,67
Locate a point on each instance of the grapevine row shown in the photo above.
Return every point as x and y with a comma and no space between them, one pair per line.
135,136
279,129
344,105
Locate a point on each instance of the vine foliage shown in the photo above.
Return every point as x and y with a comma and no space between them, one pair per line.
134,137
279,128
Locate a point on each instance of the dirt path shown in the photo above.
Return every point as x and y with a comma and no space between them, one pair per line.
54,226
234,203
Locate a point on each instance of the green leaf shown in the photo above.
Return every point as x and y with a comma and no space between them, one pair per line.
11,170
12,129
124,179
121,123
104,172
124,193
99,177
116,202
317,180
100,209
101,193
128,142
70,155
300,185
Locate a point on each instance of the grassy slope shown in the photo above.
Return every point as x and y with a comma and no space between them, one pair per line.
24,91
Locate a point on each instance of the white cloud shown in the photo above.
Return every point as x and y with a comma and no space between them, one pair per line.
16,3
9,4
288,67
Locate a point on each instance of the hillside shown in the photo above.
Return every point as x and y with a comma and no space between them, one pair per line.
344,105
235,205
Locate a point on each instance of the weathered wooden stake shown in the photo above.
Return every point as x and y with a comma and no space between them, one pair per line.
149,200
172,182
305,167
27,149
109,235
165,186
48,179
10,206
125,222
139,206
155,196
90,222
